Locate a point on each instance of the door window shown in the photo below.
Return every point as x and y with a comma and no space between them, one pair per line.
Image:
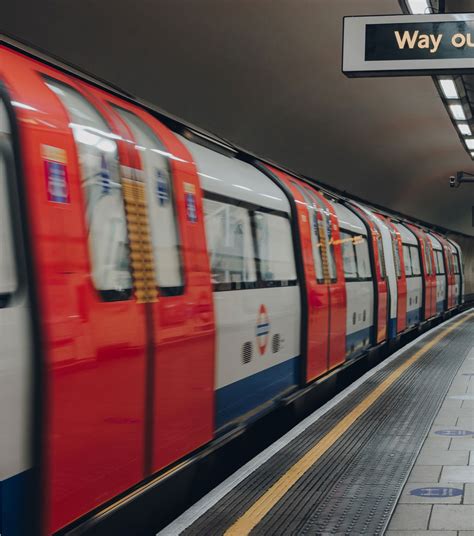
105,213
274,247
230,245
161,205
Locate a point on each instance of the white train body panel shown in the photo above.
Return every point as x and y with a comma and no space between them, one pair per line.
440,277
15,363
414,282
359,293
15,389
237,316
258,329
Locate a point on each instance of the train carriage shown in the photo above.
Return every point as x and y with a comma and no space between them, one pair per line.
159,288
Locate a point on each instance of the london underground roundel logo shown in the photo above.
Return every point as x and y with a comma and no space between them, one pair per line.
263,329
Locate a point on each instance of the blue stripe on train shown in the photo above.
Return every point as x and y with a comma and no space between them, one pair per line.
413,317
358,341
392,328
14,495
440,306
238,398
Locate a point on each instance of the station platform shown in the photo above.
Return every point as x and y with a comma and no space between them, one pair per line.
391,454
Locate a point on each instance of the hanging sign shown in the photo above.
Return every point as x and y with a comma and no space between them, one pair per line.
408,45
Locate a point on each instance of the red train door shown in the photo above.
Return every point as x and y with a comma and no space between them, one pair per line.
448,267
325,224
324,284
378,269
180,374
317,292
401,277
333,267
429,273
93,328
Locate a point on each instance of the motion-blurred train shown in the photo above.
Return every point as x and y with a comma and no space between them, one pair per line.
158,287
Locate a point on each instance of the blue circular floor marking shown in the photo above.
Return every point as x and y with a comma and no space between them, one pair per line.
436,492
454,433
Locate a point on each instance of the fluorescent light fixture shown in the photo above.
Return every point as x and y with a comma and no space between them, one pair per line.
470,143
449,88
419,7
457,111
464,129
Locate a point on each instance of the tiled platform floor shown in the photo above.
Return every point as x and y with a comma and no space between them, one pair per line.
438,499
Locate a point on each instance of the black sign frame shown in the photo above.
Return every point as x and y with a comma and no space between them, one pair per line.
354,47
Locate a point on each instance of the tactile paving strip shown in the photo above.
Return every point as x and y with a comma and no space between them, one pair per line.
353,488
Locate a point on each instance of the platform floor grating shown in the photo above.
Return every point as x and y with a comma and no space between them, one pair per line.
362,461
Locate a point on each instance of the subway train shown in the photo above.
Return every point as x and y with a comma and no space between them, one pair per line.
159,287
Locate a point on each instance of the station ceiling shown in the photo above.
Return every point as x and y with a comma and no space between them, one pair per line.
266,75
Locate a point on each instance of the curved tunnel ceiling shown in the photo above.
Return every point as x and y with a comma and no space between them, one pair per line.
267,76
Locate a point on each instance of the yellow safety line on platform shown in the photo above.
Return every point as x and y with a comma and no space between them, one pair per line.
268,500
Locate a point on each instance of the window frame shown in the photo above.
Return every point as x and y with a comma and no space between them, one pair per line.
106,295
409,248
382,267
9,141
396,253
407,254
359,279
456,263
164,291
417,249
252,209
440,264
320,206
427,254
313,212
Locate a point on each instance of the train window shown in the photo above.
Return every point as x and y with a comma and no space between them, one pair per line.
230,245
316,232
439,256
437,265
8,275
456,263
362,256
161,206
274,247
415,260
407,260
325,229
381,257
449,267
105,212
427,253
348,256
396,253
